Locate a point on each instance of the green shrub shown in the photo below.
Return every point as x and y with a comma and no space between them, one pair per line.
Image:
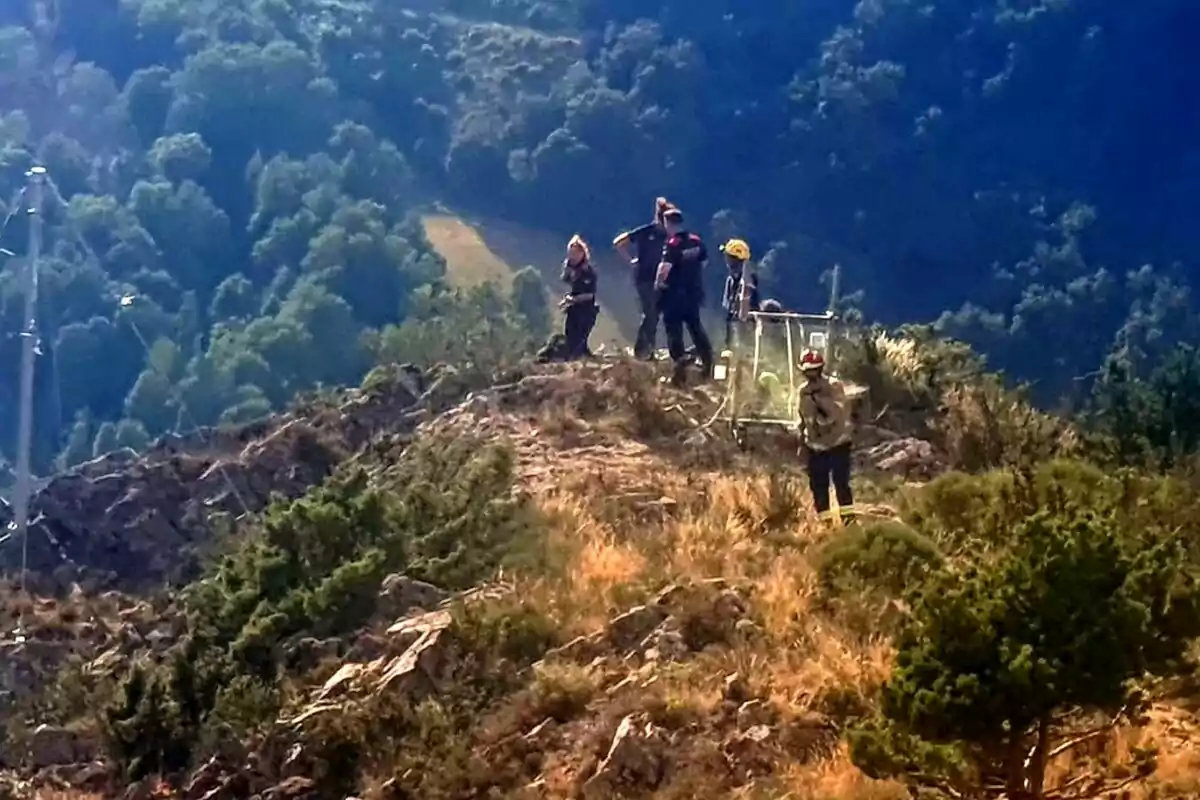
1150,419
983,425
444,512
432,747
1003,656
888,556
143,728
971,514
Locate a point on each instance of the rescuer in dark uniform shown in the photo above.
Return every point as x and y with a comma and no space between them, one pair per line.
680,283
580,302
647,242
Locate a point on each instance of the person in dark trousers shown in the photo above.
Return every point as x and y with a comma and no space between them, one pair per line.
741,287
825,422
580,301
680,282
647,243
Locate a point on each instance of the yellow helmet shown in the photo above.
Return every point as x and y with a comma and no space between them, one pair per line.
736,248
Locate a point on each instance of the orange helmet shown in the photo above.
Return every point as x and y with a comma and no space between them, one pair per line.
812,360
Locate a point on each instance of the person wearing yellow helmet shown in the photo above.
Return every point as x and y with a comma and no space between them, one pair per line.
741,286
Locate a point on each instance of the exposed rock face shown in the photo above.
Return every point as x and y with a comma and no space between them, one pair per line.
908,458
135,523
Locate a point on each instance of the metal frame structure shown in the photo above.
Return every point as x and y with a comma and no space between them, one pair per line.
822,340
815,332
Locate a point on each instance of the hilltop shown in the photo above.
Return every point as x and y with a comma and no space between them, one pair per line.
310,525
558,582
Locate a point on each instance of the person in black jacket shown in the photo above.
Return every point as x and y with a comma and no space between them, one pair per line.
647,242
580,301
741,286
680,282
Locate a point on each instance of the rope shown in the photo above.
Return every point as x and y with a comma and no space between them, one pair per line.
14,205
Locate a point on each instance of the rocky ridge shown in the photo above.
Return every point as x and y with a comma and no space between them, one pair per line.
117,527
139,523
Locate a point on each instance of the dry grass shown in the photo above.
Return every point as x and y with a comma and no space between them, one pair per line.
802,662
805,661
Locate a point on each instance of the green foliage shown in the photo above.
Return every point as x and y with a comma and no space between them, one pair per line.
984,425
1006,648
975,514
444,512
143,728
431,746
530,301
910,369
887,556
1152,420
476,329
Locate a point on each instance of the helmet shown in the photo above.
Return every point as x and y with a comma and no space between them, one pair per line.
812,360
736,248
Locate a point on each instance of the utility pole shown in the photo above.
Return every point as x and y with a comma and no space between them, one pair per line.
29,351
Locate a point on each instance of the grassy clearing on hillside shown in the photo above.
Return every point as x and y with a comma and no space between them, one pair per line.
478,252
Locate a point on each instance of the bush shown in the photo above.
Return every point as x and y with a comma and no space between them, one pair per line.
432,747
1005,655
909,369
444,512
982,425
886,556
143,728
975,514
1152,420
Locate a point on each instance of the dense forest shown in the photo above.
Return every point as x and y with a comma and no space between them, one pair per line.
230,215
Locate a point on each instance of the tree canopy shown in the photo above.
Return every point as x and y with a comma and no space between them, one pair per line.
245,173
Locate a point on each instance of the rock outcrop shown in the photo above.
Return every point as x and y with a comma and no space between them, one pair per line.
137,523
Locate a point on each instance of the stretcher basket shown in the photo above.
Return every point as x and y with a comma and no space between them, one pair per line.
760,370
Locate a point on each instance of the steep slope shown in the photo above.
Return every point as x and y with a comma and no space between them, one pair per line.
665,625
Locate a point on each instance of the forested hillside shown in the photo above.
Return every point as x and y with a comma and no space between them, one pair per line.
235,180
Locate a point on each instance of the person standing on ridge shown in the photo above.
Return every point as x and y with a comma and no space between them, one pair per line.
826,435
741,287
580,301
647,242
680,282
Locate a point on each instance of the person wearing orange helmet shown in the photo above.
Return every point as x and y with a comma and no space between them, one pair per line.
826,435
